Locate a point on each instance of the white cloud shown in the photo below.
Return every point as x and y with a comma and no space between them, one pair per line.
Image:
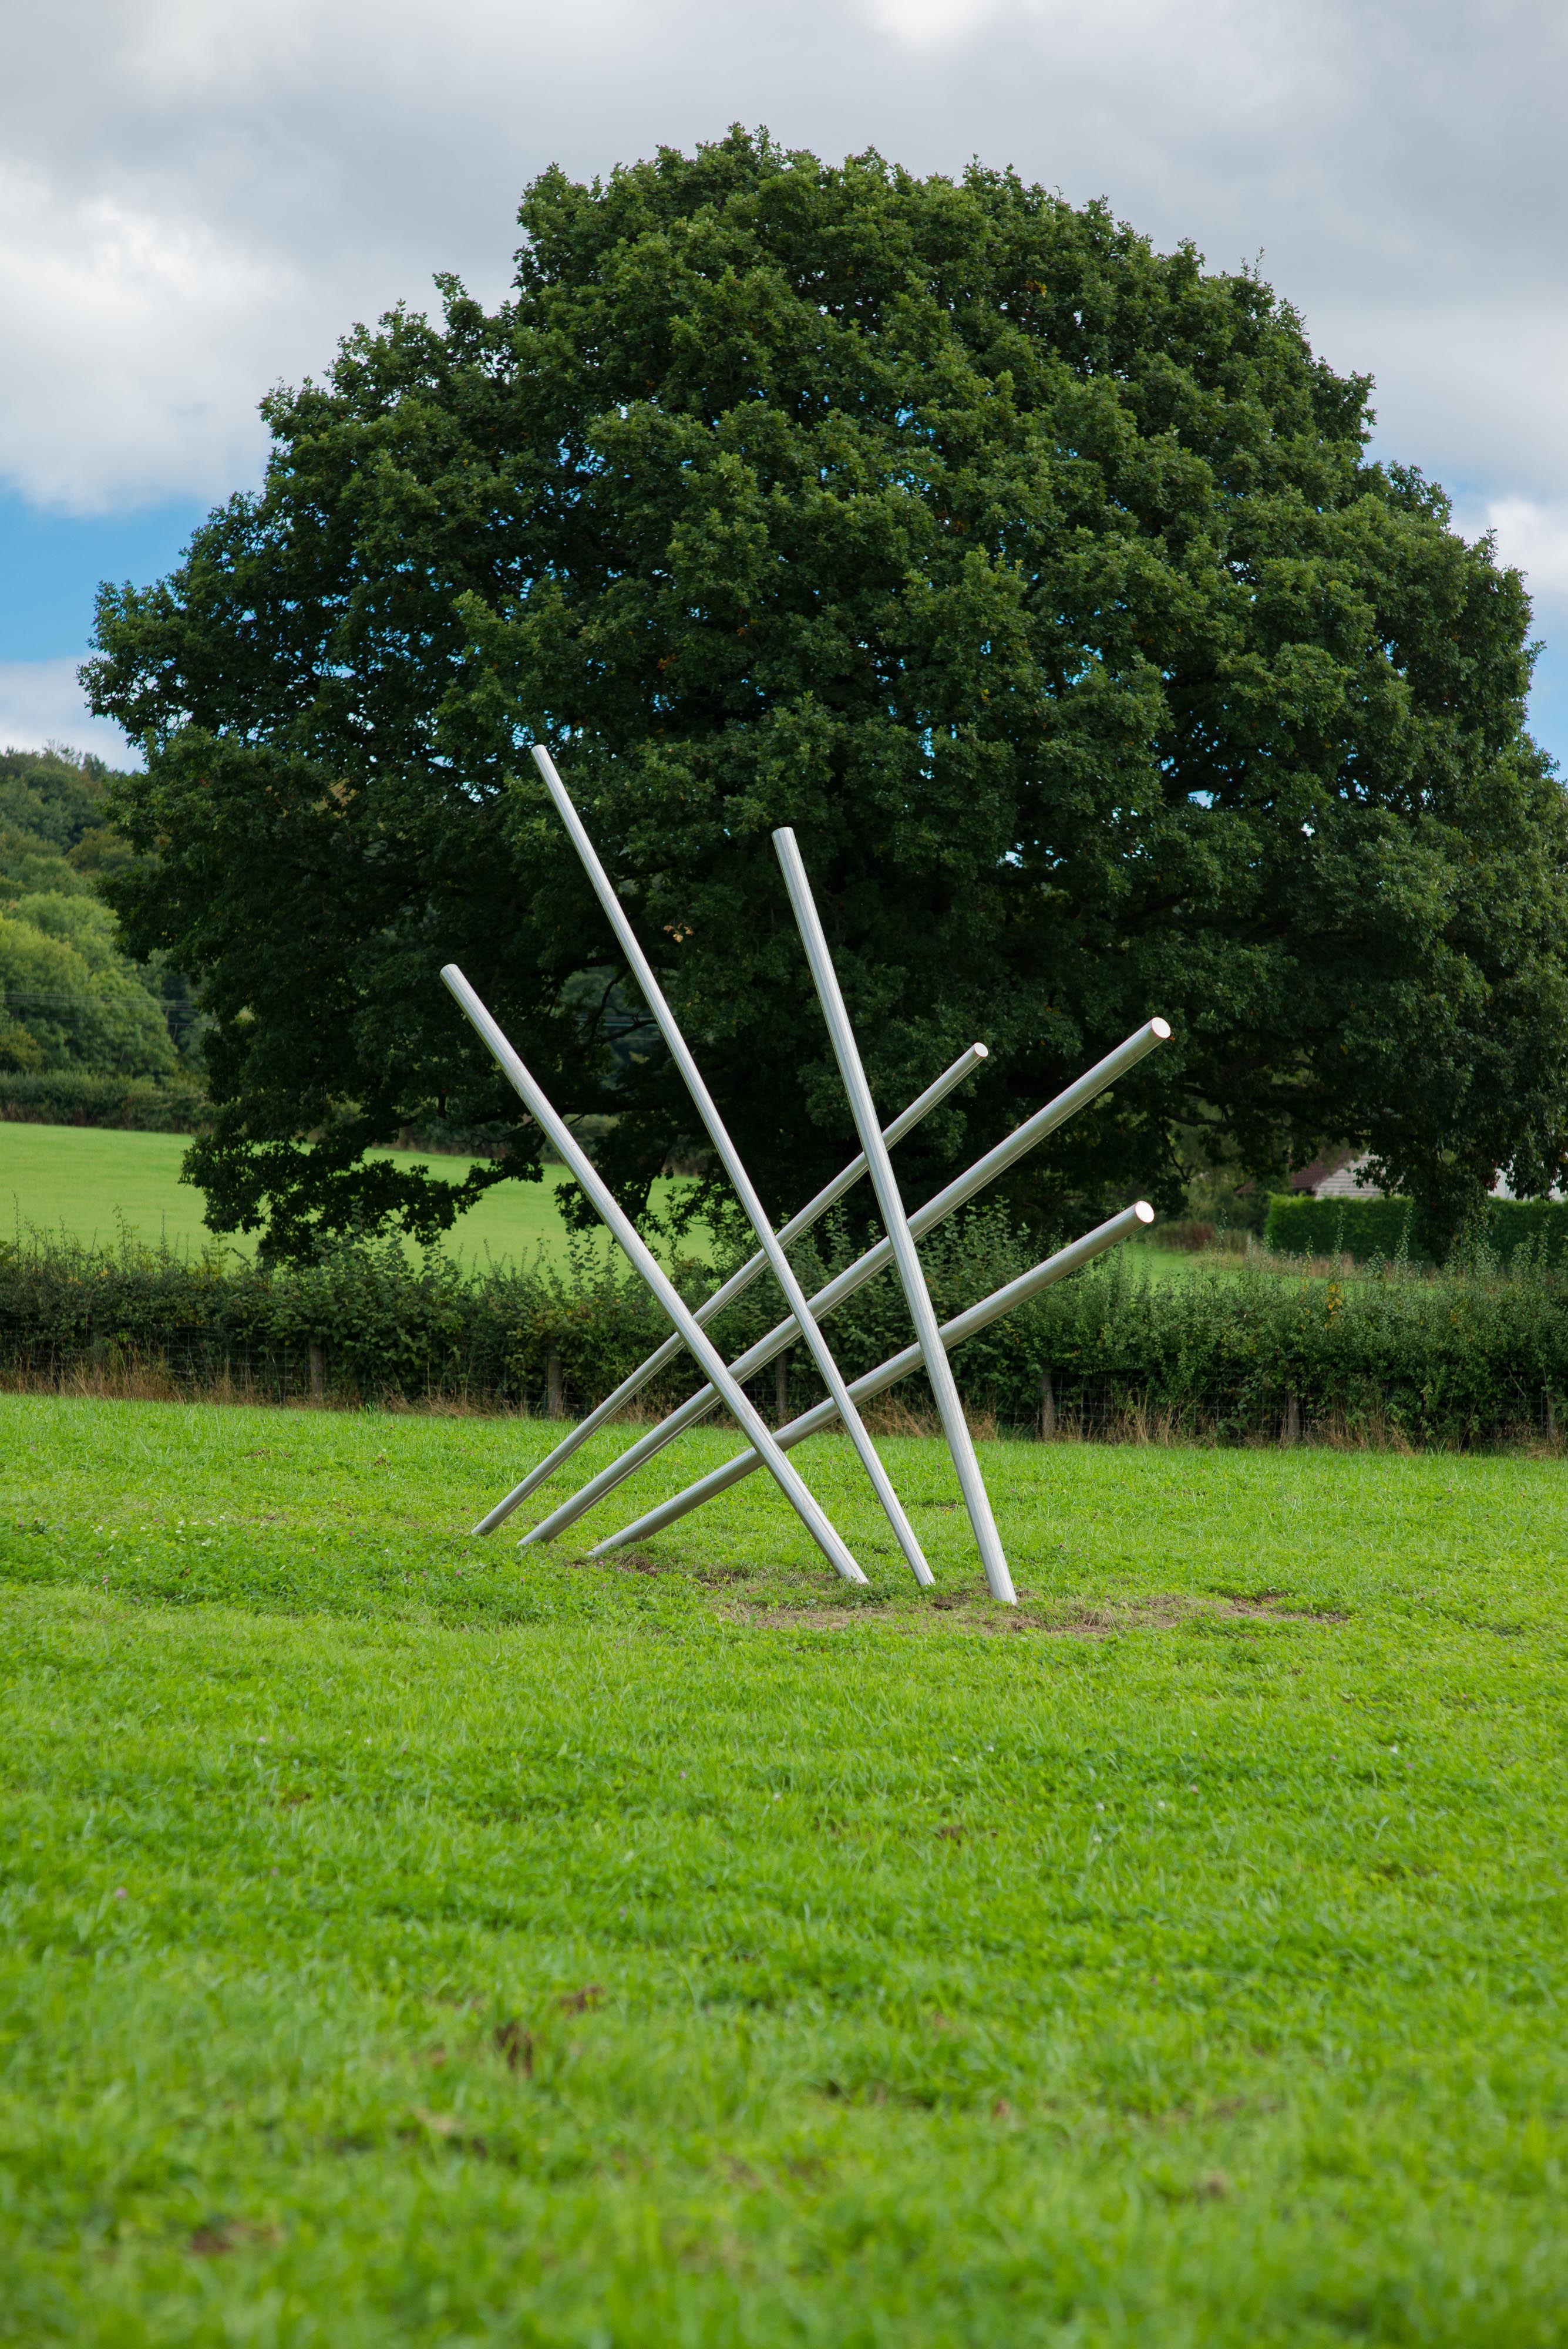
200,195
1474,391
139,341
935,23
1533,537
41,702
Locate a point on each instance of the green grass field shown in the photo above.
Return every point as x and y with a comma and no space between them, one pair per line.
1174,1264
82,1179
410,1941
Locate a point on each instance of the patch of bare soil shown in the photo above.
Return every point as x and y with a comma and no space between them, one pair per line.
800,1619
1271,1605
1059,1619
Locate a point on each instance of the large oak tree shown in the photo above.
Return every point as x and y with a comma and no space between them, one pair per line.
1041,580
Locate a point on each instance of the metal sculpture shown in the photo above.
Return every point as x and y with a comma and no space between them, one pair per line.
911,1278
865,1267
575,1157
726,1381
779,1265
1138,1216
736,1285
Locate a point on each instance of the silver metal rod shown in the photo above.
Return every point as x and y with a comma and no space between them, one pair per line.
896,1223
898,1366
734,1286
855,1275
572,1151
745,1190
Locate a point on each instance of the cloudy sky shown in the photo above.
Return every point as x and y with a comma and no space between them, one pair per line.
198,196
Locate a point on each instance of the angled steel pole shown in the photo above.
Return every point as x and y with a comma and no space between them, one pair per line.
898,1366
958,1193
896,1223
734,1286
653,1272
756,1214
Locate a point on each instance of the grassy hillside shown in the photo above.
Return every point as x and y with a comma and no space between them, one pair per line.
80,1179
410,1943
77,1177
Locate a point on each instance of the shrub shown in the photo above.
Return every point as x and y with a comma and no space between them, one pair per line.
1459,1357
75,1097
1299,1225
1368,1228
387,1326
1539,1225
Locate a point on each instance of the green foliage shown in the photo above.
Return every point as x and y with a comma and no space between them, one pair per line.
1040,579
1474,1356
1470,1356
52,822
1299,1225
1533,1227
69,1097
70,1001
391,1329
1365,1228
408,1944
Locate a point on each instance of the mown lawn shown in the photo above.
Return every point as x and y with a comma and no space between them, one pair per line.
88,1182
410,1941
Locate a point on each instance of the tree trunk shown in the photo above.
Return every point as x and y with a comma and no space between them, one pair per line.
1047,1408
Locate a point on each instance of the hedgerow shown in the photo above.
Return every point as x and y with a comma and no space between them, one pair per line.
81,1097
1475,1354
1299,1225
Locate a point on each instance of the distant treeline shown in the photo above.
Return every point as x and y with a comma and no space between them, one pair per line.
1468,1357
71,1003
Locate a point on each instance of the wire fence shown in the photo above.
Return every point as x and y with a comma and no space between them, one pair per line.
199,1365
1107,1409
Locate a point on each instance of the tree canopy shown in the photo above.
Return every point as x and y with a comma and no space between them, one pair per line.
1041,579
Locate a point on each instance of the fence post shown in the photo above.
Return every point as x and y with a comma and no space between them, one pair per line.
555,1405
1291,1431
781,1386
1047,1408
318,1360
